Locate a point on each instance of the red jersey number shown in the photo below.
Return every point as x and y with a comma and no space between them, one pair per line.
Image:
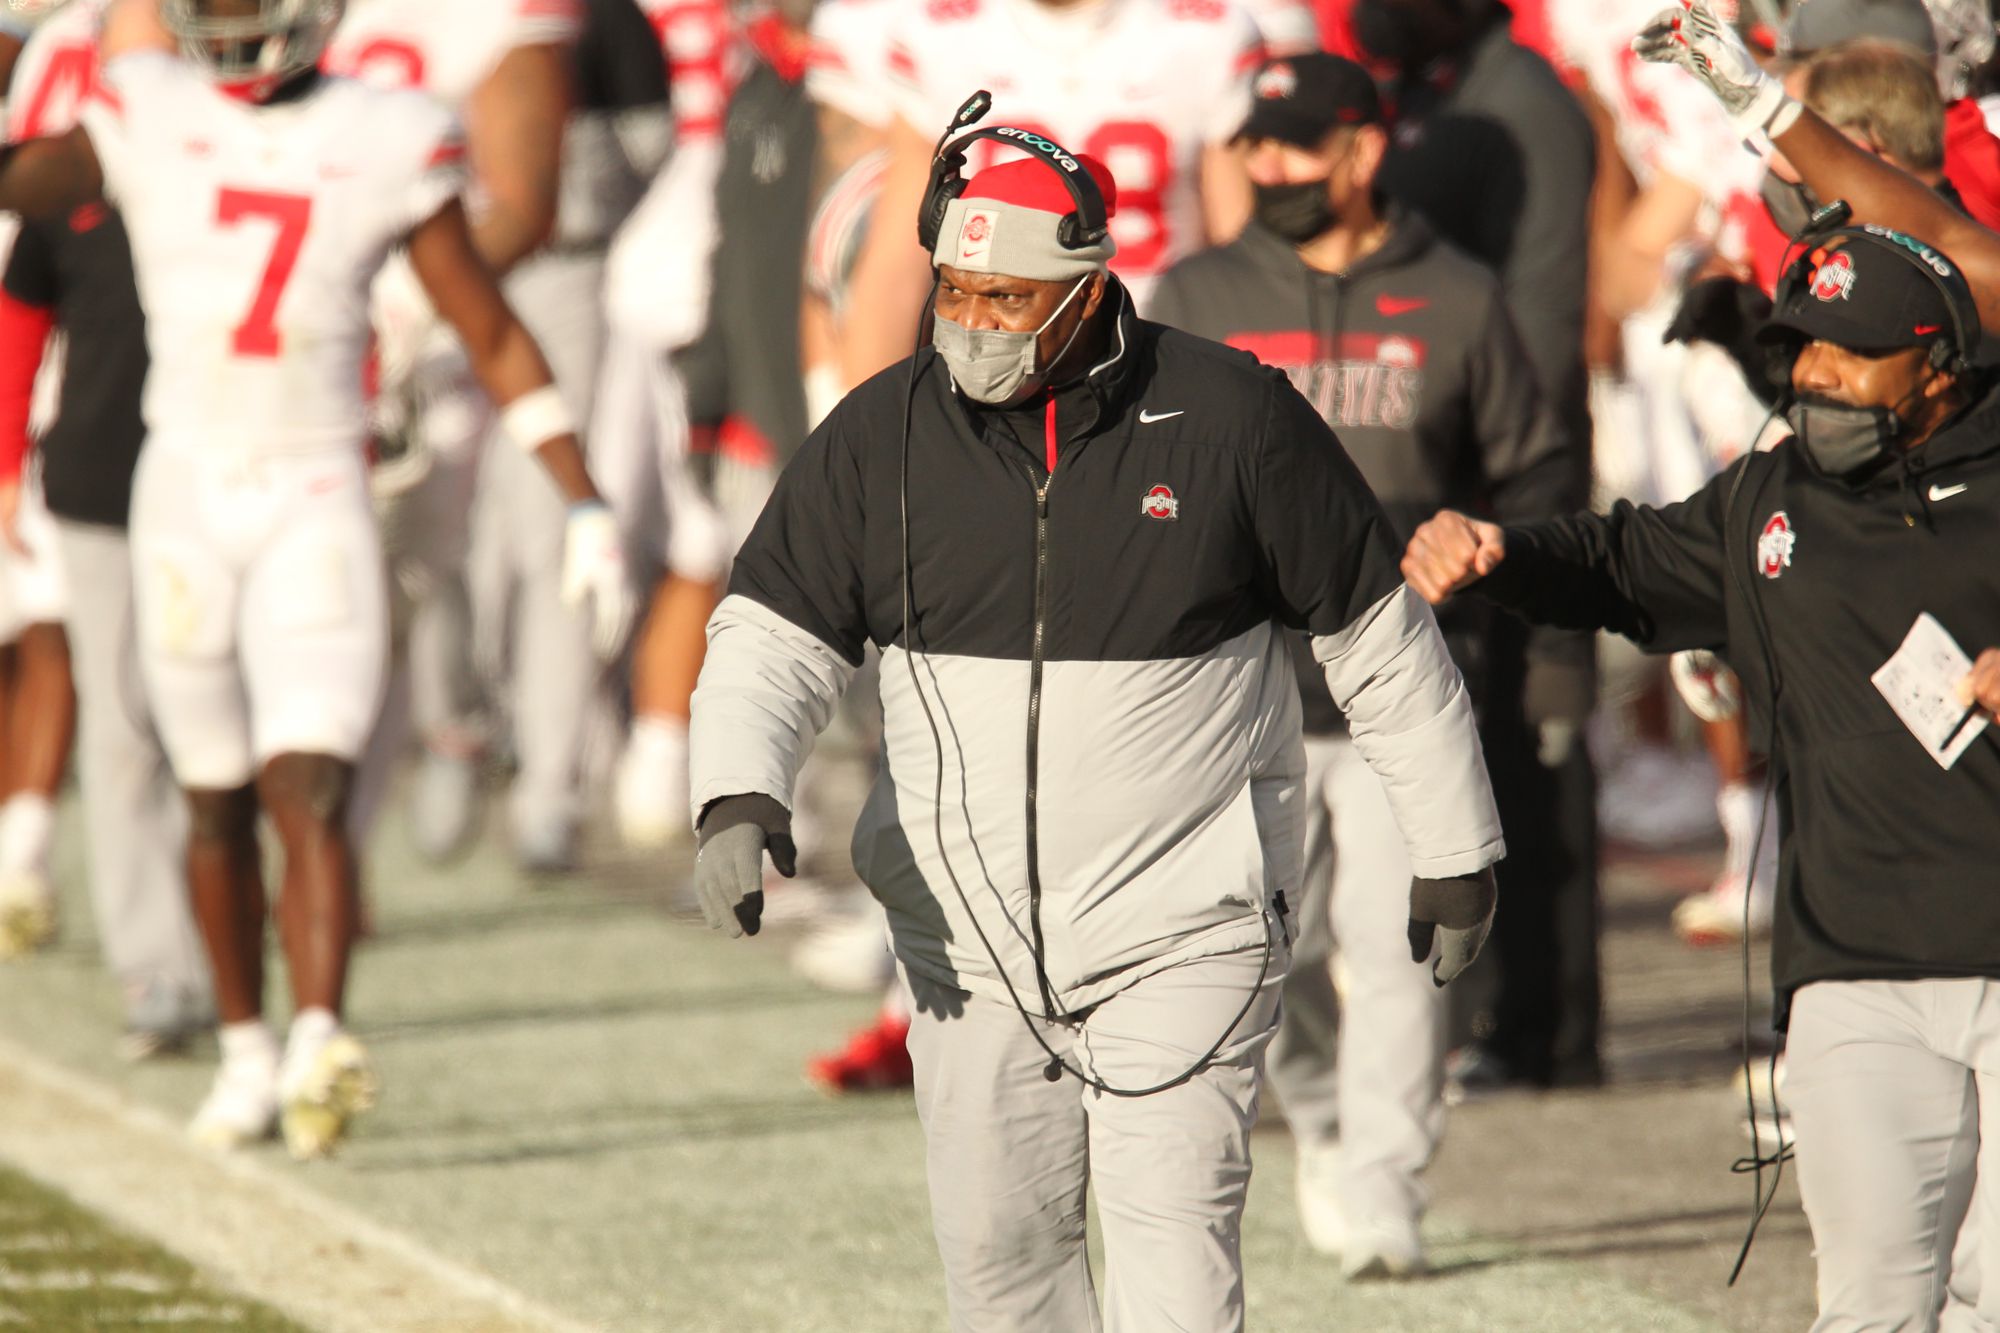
385,61
258,335
1140,158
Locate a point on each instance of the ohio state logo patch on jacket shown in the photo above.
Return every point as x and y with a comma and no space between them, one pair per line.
1775,544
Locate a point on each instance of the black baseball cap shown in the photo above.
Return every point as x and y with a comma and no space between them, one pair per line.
1862,288
1302,99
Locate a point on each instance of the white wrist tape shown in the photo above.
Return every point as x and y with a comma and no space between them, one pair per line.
535,418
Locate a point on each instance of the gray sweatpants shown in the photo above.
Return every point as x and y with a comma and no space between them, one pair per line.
133,811
1894,1090
1374,1081
1011,1154
518,529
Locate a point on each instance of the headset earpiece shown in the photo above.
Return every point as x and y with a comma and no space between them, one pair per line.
1087,226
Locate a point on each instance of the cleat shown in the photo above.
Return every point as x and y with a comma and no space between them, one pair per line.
161,1019
27,913
444,806
241,1107
1385,1253
323,1094
545,845
849,954
650,794
1320,1217
876,1059
1714,917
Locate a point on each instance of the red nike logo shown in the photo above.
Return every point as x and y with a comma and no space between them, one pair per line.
1392,306
1923,330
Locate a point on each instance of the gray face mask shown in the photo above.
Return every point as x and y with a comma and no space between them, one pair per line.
995,366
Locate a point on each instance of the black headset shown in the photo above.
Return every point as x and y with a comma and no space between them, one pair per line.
1080,230
1828,228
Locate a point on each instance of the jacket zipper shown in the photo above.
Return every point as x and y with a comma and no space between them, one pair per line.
1035,712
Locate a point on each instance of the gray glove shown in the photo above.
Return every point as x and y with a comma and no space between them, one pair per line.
1454,914
736,831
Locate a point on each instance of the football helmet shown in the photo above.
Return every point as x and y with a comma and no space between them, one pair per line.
252,46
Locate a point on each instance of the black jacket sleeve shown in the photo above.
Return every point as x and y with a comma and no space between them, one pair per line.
1327,546
1656,576
32,277
1532,469
803,558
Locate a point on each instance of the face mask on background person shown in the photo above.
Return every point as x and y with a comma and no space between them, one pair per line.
997,366
1298,211
1843,442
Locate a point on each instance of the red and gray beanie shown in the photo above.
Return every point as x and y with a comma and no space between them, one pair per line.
1006,223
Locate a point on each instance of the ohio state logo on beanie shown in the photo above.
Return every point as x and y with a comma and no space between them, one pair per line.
975,238
1775,546
1833,280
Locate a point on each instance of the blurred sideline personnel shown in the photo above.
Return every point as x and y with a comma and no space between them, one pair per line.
1404,348
1498,157
259,583
504,69
1805,568
1156,86
73,274
1129,931
745,403
37,702
527,621
552,652
658,298
1668,414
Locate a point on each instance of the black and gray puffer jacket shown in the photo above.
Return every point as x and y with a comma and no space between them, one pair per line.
1098,581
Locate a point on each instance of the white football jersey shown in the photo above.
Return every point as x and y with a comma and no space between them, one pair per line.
56,70
1142,85
848,67
256,232
445,47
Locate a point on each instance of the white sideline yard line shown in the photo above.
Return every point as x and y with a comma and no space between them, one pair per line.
252,1229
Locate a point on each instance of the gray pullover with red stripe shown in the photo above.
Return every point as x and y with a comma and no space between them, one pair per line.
1411,357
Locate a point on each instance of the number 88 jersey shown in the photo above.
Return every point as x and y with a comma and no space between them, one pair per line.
256,231
1142,85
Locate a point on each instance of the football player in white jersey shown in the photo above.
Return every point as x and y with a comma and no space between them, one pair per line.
615,134
503,67
262,198
1152,88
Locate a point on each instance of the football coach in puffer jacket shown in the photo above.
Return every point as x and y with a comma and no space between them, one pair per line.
1080,572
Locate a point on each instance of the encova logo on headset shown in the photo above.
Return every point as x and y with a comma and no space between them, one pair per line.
1054,152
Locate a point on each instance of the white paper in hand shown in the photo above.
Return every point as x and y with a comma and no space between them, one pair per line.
1921,684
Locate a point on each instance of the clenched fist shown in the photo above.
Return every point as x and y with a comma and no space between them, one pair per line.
1450,551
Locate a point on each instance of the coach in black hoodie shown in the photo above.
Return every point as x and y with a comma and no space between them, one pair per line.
1807,568
1404,346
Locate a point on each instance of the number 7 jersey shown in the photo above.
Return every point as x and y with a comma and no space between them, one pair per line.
256,231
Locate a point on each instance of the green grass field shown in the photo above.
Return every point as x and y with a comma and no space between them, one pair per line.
62,1269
